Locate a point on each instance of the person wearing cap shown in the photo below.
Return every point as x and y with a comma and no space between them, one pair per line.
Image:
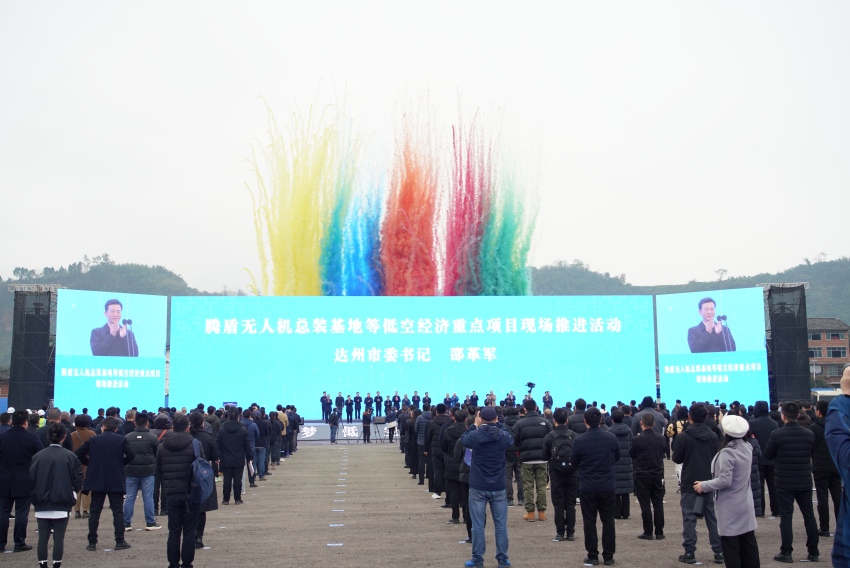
733,501
488,442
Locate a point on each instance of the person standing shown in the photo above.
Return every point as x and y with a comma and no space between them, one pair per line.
647,452
694,449
333,422
140,472
82,432
837,435
174,462
358,405
368,401
349,409
416,399
736,518
763,425
379,403
17,447
339,402
253,435
563,478
396,400
392,422
791,446
426,399
207,441
366,421
234,450
262,444
529,433
624,473
451,474
547,400
106,455
827,478
325,401
594,456
488,442
513,468
434,451
57,475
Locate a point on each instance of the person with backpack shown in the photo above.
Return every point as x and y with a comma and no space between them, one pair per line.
207,441
563,479
647,452
174,459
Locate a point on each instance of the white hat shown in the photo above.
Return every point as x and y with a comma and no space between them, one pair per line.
10,410
40,412
735,426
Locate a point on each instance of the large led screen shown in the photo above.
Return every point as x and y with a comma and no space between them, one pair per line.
711,345
289,350
110,350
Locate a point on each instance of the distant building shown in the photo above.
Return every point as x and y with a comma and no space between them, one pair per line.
829,340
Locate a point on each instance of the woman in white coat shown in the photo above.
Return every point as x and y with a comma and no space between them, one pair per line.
733,501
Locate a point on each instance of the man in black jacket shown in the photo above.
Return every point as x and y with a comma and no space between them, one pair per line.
762,426
448,441
827,478
513,469
528,435
576,420
174,463
563,479
694,449
234,450
17,447
647,451
594,454
140,472
791,446
54,415
435,450
106,455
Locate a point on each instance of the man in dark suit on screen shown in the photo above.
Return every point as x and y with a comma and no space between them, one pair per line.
115,338
710,336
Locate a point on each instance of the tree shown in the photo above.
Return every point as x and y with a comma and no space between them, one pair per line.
721,274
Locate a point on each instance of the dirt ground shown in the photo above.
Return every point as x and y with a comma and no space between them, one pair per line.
334,505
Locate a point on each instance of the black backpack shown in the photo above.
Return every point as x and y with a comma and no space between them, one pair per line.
562,453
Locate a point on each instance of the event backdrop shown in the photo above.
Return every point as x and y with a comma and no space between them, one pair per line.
726,375
84,379
288,350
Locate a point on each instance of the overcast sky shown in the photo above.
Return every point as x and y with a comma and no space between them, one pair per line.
667,139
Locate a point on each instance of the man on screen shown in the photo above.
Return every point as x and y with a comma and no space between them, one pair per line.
709,336
115,338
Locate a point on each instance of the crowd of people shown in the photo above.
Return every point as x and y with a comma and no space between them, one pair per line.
66,466
734,464
582,455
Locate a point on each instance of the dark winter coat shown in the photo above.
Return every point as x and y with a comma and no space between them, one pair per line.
529,433
660,425
211,453
432,435
233,445
17,447
595,454
762,426
174,462
755,479
144,445
694,449
791,446
448,441
549,447
512,453
463,469
42,437
576,422
821,460
106,455
623,469
56,474
647,452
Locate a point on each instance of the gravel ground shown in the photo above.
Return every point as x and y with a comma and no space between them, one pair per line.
335,505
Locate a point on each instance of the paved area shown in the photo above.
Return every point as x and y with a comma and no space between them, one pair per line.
354,505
